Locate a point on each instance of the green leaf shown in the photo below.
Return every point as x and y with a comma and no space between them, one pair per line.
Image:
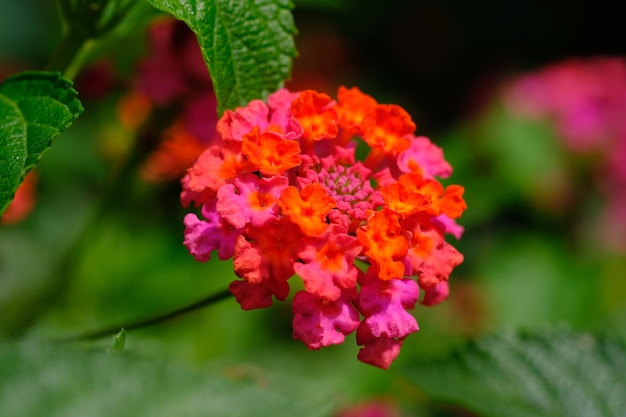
119,340
35,107
552,373
247,45
12,150
63,381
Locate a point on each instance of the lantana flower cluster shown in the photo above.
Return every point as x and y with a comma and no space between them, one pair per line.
283,195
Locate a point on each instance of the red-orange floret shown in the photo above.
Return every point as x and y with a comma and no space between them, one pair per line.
413,193
316,114
307,208
269,153
388,128
385,244
353,107
403,201
452,203
331,256
214,167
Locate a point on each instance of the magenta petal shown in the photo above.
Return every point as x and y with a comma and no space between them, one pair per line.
384,305
394,323
198,237
319,323
380,352
425,155
231,207
448,225
204,236
436,294
377,295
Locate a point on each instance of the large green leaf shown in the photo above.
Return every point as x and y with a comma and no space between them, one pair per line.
247,45
546,374
62,381
12,149
35,107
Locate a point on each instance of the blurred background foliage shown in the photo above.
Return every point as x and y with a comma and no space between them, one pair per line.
103,245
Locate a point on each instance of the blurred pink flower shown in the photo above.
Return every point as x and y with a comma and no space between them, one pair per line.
585,98
586,101
174,79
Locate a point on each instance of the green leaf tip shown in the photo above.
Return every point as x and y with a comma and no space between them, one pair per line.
247,45
35,107
119,340
548,373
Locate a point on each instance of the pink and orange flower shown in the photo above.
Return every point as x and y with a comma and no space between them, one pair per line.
282,193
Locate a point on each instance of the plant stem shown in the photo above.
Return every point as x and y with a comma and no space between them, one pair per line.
71,53
138,324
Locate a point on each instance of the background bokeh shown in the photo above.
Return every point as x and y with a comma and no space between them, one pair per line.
103,244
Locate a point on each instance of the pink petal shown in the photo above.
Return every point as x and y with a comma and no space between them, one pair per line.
234,201
234,125
425,155
436,294
380,352
448,225
384,304
281,100
319,323
204,236
252,296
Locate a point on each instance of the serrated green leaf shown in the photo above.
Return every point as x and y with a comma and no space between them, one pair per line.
247,45
12,149
62,381
35,107
545,374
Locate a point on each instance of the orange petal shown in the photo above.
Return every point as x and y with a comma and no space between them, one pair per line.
388,128
384,244
269,153
316,115
353,107
403,201
308,208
